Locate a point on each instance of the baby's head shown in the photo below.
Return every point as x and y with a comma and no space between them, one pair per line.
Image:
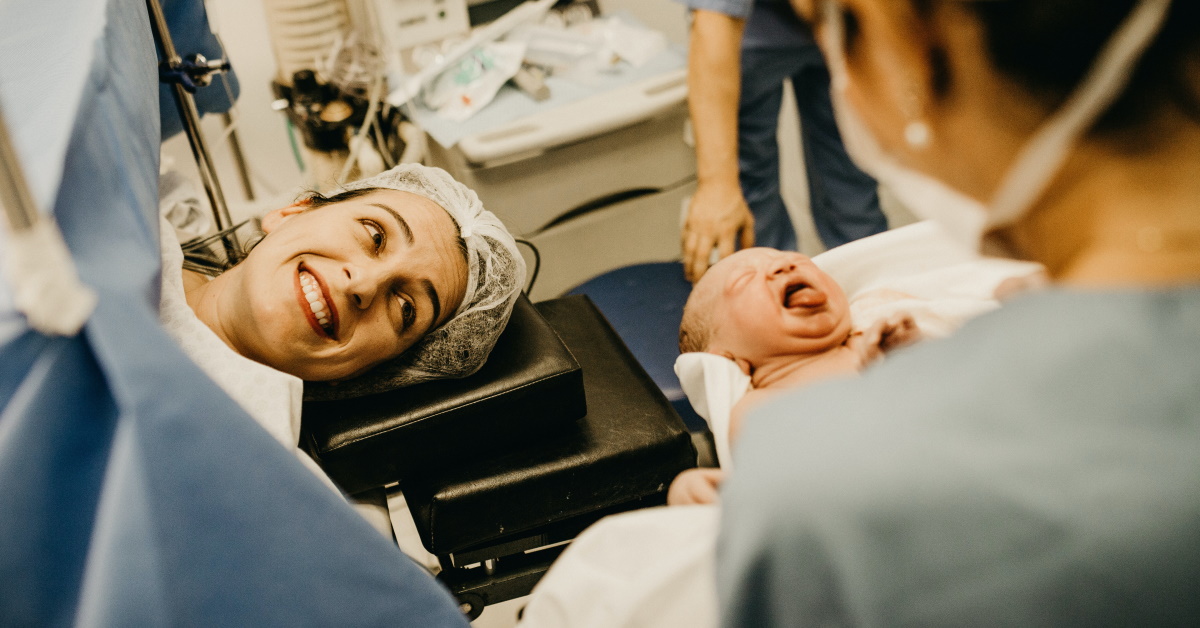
761,303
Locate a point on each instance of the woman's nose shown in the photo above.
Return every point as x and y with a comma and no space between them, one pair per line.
361,288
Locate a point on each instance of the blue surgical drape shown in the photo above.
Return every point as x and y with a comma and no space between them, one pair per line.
133,491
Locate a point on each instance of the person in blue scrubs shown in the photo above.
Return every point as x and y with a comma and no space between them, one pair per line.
1042,466
740,54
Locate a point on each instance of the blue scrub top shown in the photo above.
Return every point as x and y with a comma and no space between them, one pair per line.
769,23
1040,467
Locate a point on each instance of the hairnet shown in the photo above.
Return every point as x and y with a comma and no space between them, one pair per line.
495,275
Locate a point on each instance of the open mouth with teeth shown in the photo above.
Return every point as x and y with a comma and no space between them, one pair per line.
315,299
802,295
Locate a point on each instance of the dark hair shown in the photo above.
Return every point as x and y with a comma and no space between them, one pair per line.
1048,45
315,199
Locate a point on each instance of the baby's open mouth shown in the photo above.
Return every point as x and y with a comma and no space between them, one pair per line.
316,302
801,294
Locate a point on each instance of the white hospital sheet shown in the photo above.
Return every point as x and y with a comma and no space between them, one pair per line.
653,568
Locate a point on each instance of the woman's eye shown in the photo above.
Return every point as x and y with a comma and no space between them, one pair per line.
408,313
376,233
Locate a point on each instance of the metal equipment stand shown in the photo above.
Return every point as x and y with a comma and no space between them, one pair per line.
15,197
185,76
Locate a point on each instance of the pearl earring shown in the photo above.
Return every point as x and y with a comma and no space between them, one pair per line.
917,134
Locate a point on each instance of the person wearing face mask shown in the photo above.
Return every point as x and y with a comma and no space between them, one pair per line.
740,53
397,279
1041,466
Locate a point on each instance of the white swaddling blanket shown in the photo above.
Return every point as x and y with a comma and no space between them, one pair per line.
917,269
656,567
652,568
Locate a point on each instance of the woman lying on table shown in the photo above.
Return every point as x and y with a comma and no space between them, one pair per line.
400,278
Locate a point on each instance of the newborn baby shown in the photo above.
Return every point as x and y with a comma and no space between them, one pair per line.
785,323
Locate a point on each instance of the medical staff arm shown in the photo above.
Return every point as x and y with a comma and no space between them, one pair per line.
718,215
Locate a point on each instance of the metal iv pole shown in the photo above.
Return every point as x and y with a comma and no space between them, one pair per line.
185,75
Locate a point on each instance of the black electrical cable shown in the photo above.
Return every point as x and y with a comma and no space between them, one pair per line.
537,264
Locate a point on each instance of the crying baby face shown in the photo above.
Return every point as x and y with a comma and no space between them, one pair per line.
760,303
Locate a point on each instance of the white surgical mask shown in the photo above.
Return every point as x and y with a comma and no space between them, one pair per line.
1038,161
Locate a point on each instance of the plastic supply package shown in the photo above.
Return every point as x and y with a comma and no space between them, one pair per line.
565,49
625,40
471,83
552,46
577,48
180,202
406,87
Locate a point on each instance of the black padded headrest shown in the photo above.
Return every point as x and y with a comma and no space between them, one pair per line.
623,454
530,381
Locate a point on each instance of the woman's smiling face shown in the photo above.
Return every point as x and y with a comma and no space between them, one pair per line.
335,290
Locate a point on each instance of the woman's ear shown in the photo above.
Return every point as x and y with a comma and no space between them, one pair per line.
276,217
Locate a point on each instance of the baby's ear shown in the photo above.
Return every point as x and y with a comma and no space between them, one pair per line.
272,219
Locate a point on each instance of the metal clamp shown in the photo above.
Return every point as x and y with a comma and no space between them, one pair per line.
191,72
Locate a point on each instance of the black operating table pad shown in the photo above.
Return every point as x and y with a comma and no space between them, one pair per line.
530,382
559,428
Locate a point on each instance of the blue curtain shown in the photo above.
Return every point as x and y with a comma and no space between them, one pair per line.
132,490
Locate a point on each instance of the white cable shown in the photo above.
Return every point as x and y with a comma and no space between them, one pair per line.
368,121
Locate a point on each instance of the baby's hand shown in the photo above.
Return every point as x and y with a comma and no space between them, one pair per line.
882,336
899,329
695,486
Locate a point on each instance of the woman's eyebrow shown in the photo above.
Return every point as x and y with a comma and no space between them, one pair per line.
404,228
434,301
